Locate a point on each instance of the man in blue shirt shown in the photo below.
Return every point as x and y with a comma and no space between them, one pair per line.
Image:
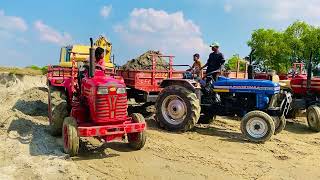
215,61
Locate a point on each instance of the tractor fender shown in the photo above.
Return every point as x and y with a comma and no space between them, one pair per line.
189,84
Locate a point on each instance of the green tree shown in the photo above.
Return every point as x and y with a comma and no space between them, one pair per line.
271,50
295,36
232,63
277,50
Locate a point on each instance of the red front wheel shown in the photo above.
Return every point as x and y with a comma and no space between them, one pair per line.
70,136
137,140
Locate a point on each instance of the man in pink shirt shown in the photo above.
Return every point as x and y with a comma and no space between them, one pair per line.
99,55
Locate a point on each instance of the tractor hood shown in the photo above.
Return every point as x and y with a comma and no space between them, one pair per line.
100,80
247,85
107,82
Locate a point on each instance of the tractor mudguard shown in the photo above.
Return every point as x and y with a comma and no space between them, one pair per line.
189,84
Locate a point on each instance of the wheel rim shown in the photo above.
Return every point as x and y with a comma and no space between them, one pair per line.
312,118
174,109
257,127
66,137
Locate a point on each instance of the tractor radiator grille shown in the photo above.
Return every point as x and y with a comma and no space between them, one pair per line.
111,107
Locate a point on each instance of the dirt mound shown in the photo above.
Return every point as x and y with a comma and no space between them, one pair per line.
28,151
33,102
144,62
9,80
14,83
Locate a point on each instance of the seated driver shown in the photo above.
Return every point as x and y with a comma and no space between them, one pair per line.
99,62
196,67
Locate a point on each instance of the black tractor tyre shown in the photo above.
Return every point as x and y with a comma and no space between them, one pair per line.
57,111
182,103
313,118
70,136
280,124
137,140
257,126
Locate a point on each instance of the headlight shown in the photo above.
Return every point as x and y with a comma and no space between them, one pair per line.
121,90
102,90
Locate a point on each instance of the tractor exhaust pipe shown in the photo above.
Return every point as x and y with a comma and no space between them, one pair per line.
91,59
250,71
250,67
309,73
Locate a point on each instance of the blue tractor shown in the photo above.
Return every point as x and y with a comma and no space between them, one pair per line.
260,104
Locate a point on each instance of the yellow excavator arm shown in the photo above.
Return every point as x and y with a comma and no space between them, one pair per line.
107,46
81,53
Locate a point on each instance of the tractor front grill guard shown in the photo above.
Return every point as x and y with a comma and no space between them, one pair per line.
94,131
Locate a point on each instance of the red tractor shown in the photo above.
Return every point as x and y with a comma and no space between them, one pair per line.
306,95
96,107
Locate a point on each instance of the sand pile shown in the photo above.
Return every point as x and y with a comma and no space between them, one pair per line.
28,151
144,62
8,80
15,82
33,102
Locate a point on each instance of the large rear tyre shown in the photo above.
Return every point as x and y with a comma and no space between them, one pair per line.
137,140
257,126
313,117
280,124
177,108
70,136
57,111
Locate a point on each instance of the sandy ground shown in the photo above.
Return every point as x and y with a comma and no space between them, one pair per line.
27,151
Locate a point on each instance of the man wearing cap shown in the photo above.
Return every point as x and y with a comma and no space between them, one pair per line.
215,61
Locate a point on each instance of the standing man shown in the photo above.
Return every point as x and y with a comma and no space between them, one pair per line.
215,61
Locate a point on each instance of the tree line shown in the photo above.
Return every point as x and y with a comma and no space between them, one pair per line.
277,50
